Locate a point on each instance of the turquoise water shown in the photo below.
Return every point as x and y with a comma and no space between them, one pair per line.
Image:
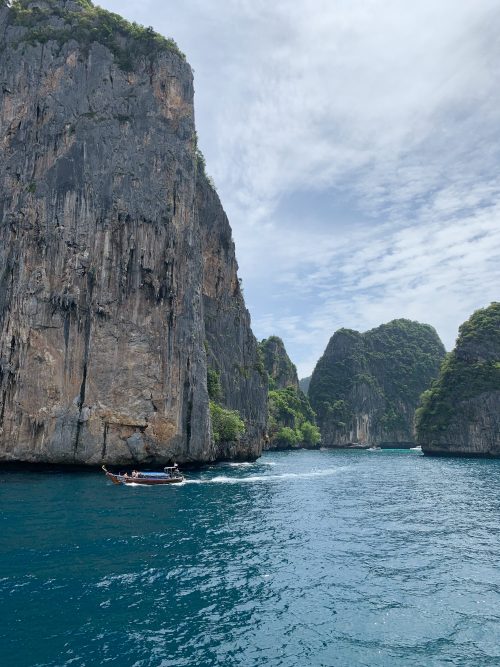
303,558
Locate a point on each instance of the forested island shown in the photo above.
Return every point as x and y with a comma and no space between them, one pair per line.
366,386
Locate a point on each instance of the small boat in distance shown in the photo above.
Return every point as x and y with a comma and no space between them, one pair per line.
170,475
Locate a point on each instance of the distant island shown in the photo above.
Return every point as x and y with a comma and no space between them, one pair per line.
366,386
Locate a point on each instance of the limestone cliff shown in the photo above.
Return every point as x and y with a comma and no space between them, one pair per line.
229,343
460,414
291,421
366,387
117,268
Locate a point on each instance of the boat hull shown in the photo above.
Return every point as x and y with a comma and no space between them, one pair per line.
142,481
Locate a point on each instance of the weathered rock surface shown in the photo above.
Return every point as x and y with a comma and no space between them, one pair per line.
366,387
280,369
460,414
229,343
117,268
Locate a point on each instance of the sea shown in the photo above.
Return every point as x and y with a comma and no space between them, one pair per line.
303,558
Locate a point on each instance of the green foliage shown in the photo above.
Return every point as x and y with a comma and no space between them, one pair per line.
290,403
287,437
482,329
392,419
396,362
290,413
472,369
213,384
310,434
128,42
291,420
227,425
201,165
200,162
339,413
405,357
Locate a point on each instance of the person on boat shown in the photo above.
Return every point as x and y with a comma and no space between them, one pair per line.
135,473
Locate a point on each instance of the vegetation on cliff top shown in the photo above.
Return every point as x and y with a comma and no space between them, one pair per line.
472,369
87,24
397,361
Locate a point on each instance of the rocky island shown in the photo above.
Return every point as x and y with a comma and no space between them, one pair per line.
366,386
291,420
119,292
460,413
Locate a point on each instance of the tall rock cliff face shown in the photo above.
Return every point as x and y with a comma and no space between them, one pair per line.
460,414
291,421
366,387
229,343
117,269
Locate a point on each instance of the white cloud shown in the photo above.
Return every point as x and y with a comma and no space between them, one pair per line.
390,109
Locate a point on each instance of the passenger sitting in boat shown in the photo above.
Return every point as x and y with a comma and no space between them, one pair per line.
135,473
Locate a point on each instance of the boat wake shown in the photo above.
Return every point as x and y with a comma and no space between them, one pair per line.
239,464
251,479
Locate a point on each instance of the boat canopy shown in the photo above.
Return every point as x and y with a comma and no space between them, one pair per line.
152,474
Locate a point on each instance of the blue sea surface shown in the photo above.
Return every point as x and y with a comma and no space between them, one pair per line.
301,559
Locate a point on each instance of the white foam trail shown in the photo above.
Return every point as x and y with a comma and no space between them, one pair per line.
223,479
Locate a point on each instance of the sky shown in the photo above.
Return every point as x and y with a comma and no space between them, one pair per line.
355,147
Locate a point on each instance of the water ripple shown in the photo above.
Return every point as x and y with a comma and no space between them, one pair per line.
301,559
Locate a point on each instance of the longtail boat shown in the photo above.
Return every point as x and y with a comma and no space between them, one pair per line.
170,475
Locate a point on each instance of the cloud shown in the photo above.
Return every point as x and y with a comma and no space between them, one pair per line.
355,148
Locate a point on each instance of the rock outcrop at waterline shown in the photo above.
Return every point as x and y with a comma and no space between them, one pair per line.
460,413
366,387
117,269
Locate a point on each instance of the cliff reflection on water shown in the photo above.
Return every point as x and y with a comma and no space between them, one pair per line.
303,558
